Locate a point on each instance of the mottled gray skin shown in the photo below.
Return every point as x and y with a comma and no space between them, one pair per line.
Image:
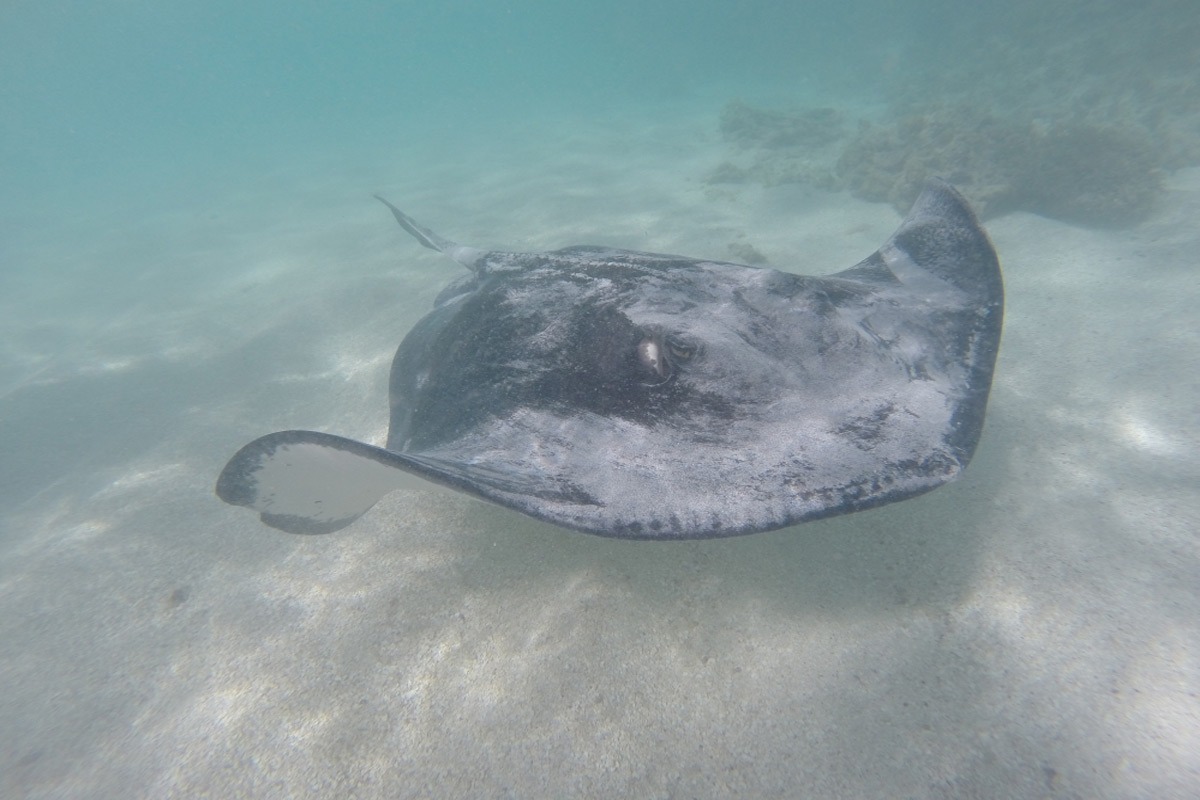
659,397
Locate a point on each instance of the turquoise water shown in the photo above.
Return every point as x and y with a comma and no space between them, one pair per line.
190,257
98,93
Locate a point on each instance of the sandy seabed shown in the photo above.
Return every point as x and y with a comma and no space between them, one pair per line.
1032,630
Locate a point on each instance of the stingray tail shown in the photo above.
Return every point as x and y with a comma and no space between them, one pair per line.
469,257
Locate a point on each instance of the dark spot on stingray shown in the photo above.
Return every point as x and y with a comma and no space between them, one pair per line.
178,597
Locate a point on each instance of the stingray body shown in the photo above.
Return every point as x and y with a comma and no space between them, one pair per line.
652,396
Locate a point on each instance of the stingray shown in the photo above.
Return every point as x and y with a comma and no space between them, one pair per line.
650,396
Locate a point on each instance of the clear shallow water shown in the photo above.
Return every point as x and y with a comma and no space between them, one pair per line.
191,258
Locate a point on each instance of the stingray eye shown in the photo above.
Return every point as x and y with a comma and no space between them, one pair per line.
680,350
660,354
652,357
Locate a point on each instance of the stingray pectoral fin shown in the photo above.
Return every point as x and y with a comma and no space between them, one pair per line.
310,482
512,487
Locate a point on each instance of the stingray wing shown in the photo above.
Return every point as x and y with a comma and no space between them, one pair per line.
310,482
